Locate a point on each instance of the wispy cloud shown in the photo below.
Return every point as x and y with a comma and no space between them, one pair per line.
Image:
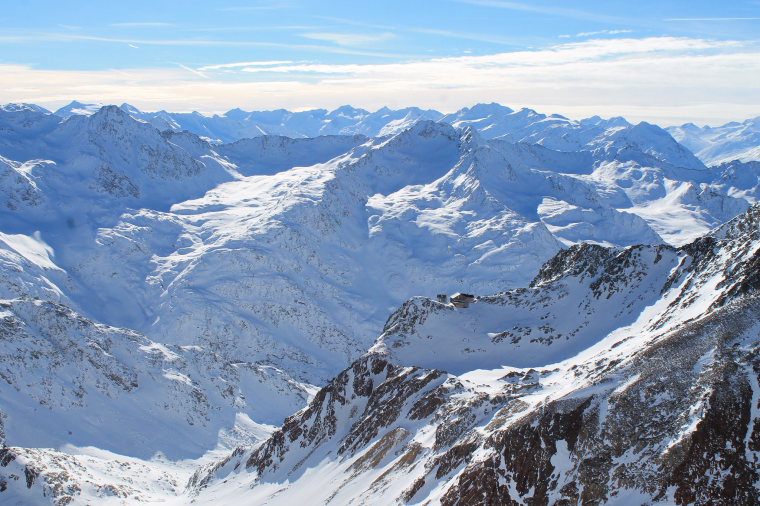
350,39
70,37
193,71
460,69
591,34
602,32
244,64
142,24
661,79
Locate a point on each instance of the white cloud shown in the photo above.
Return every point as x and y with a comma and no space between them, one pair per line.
602,32
68,37
661,79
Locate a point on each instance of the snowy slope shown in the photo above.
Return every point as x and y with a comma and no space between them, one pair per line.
656,402
676,210
298,269
267,155
324,252
89,381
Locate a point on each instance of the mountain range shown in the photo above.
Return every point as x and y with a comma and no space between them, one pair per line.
173,286
712,145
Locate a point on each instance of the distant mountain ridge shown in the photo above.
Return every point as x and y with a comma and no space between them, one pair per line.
237,124
722,144
712,145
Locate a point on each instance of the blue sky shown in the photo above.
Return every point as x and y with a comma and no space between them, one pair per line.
662,61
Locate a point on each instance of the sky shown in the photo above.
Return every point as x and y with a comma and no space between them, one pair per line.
667,62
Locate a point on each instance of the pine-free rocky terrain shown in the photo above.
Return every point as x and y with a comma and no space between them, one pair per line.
174,286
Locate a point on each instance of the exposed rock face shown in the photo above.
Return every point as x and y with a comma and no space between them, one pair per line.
17,189
367,397
595,449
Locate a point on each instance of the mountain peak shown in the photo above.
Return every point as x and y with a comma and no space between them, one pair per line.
490,108
648,144
470,137
236,113
527,111
130,109
429,128
76,108
349,111
21,107
110,111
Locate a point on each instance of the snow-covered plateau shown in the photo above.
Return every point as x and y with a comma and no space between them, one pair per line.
174,286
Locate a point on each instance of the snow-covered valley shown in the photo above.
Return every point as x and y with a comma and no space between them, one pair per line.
168,297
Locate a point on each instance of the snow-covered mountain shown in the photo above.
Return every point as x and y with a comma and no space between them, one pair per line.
711,145
717,145
620,376
297,269
188,290
237,124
